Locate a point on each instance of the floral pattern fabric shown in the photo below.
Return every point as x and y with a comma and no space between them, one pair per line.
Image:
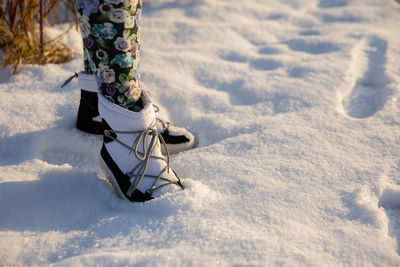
111,36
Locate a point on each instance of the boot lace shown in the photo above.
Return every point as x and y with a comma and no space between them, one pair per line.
138,173
67,81
165,124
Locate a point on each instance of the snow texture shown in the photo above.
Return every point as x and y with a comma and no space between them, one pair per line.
296,106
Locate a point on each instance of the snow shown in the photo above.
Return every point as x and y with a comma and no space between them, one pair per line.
297,108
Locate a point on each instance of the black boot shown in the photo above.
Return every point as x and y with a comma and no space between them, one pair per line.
88,119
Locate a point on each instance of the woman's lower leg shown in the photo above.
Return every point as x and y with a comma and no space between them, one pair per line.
111,37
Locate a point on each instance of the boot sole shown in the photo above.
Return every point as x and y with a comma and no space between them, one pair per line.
111,181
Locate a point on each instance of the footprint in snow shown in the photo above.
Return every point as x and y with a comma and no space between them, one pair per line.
310,33
390,201
265,64
232,56
332,4
311,46
268,51
370,90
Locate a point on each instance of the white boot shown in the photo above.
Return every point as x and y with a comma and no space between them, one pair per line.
131,155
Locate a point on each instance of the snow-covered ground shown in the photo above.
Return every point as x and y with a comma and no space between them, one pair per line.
297,108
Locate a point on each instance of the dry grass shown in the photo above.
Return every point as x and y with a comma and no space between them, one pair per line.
22,36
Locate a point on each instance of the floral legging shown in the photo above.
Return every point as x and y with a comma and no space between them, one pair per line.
111,34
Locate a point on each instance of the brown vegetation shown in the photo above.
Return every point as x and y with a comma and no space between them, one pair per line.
22,36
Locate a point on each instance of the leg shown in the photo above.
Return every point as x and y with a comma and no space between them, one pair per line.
131,155
111,36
